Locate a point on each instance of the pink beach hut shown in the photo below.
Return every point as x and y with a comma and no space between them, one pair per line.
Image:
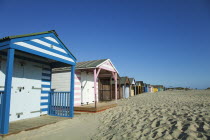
93,81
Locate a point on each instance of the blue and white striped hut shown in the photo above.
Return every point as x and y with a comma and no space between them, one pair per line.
26,62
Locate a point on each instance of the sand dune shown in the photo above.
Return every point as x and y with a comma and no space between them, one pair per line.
162,115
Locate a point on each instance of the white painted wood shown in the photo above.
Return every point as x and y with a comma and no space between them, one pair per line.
87,91
27,100
51,39
48,45
84,91
61,81
32,47
127,89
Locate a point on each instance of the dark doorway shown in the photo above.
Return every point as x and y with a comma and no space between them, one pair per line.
104,90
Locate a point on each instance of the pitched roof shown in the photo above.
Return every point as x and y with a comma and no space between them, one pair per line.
123,80
26,35
139,83
89,64
82,65
131,80
8,38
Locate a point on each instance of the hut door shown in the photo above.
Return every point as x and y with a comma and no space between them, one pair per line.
84,88
26,91
104,90
90,88
87,83
127,91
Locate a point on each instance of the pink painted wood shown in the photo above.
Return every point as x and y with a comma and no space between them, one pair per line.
115,86
98,72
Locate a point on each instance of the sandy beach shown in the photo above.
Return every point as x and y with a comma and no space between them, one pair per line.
162,115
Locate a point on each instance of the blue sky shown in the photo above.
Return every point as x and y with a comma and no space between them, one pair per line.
157,41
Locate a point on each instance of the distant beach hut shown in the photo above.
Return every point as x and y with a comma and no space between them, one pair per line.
132,86
145,87
155,88
138,87
125,86
152,88
26,62
142,86
93,81
149,88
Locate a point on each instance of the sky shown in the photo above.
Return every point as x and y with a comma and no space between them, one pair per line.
156,41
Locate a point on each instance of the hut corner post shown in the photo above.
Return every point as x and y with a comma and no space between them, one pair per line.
96,73
95,78
5,109
135,89
115,79
72,92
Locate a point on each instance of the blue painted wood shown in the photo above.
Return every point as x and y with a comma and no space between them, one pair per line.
44,109
64,47
58,104
45,97
4,43
44,103
4,47
41,36
7,96
51,42
46,74
47,80
26,58
72,92
46,86
17,47
46,48
30,37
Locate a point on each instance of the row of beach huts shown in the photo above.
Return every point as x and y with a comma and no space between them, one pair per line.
39,76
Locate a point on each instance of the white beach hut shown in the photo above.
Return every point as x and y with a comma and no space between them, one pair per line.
26,62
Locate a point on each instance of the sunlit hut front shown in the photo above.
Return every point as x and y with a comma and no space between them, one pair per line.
93,81
149,88
145,87
152,88
25,77
125,86
132,86
155,88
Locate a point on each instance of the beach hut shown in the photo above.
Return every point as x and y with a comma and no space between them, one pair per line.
155,88
142,86
149,88
152,88
138,87
146,87
125,86
161,88
93,81
132,86
25,77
